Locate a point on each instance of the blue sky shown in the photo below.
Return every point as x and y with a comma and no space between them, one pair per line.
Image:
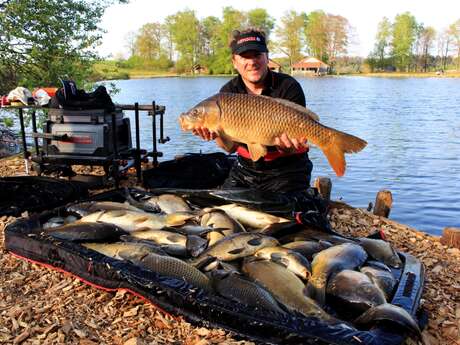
363,15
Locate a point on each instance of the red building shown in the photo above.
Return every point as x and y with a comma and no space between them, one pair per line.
310,66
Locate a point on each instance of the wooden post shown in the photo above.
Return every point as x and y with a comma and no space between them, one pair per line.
451,237
324,186
383,202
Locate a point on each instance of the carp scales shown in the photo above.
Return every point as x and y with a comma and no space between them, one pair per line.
381,250
169,266
236,287
257,120
113,249
285,286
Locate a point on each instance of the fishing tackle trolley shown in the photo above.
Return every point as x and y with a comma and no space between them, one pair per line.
91,137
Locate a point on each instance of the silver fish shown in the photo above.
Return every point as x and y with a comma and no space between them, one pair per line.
381,250
113,249
390,313
81,232
237,246
88,207
382,278
251,218
294,262
134,221
217,218
308,248
354,292
329,261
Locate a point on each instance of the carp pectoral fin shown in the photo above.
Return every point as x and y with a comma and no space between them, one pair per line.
257,151
226,140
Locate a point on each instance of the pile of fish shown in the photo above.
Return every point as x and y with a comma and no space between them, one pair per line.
246,256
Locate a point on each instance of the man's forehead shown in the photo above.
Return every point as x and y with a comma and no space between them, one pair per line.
250,53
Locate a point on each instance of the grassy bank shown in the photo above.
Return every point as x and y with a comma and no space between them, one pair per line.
110,70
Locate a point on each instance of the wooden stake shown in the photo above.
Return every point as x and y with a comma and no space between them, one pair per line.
451,237
383,202
324,186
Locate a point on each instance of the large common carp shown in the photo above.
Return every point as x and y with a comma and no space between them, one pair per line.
258,120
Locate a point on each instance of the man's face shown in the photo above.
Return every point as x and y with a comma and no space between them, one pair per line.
251,65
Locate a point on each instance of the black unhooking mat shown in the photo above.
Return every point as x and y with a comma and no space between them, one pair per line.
25,239
36,194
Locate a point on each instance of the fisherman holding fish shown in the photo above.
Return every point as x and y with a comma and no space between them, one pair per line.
286,166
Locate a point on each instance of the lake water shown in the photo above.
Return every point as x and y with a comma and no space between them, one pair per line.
412,127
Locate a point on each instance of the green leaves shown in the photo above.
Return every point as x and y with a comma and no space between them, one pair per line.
42,40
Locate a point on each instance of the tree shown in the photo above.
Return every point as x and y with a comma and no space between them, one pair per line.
337,29
231,20
41,41
259,18
426,41
444,41
148,41
316,34
404,35
290,35
454,30
185,36
382,42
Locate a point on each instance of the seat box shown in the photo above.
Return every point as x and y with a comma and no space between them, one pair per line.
88,139
83,116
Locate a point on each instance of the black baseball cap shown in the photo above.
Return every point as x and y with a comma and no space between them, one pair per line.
248,40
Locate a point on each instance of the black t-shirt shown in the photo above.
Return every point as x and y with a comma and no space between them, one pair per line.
277,85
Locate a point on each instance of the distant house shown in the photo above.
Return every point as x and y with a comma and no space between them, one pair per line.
274,66
310,66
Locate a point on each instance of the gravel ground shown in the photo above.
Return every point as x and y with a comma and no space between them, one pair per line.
42,306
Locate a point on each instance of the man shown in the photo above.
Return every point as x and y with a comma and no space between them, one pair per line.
286,167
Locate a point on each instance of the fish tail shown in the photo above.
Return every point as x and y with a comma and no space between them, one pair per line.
384,312
316,289
340,144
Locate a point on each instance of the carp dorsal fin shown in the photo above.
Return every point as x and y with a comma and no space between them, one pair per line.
257,151
298,107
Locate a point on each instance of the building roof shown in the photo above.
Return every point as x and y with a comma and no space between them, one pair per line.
273,64
310,62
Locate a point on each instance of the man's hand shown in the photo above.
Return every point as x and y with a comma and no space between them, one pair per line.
286,144
204,133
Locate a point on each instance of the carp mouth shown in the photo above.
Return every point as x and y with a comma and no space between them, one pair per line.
188,122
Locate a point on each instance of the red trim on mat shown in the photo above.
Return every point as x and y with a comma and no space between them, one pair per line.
177,318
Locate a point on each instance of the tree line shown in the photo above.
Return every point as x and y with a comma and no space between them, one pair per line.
186,42
407,45
41,41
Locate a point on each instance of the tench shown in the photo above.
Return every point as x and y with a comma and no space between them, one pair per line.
257,120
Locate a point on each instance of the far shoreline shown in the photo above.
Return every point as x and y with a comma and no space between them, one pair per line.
149,75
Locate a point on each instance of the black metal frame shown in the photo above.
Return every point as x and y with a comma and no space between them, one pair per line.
113,160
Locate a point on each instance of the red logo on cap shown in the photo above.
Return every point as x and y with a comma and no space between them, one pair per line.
248,39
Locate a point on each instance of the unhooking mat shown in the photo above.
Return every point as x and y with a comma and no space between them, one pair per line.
25,239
